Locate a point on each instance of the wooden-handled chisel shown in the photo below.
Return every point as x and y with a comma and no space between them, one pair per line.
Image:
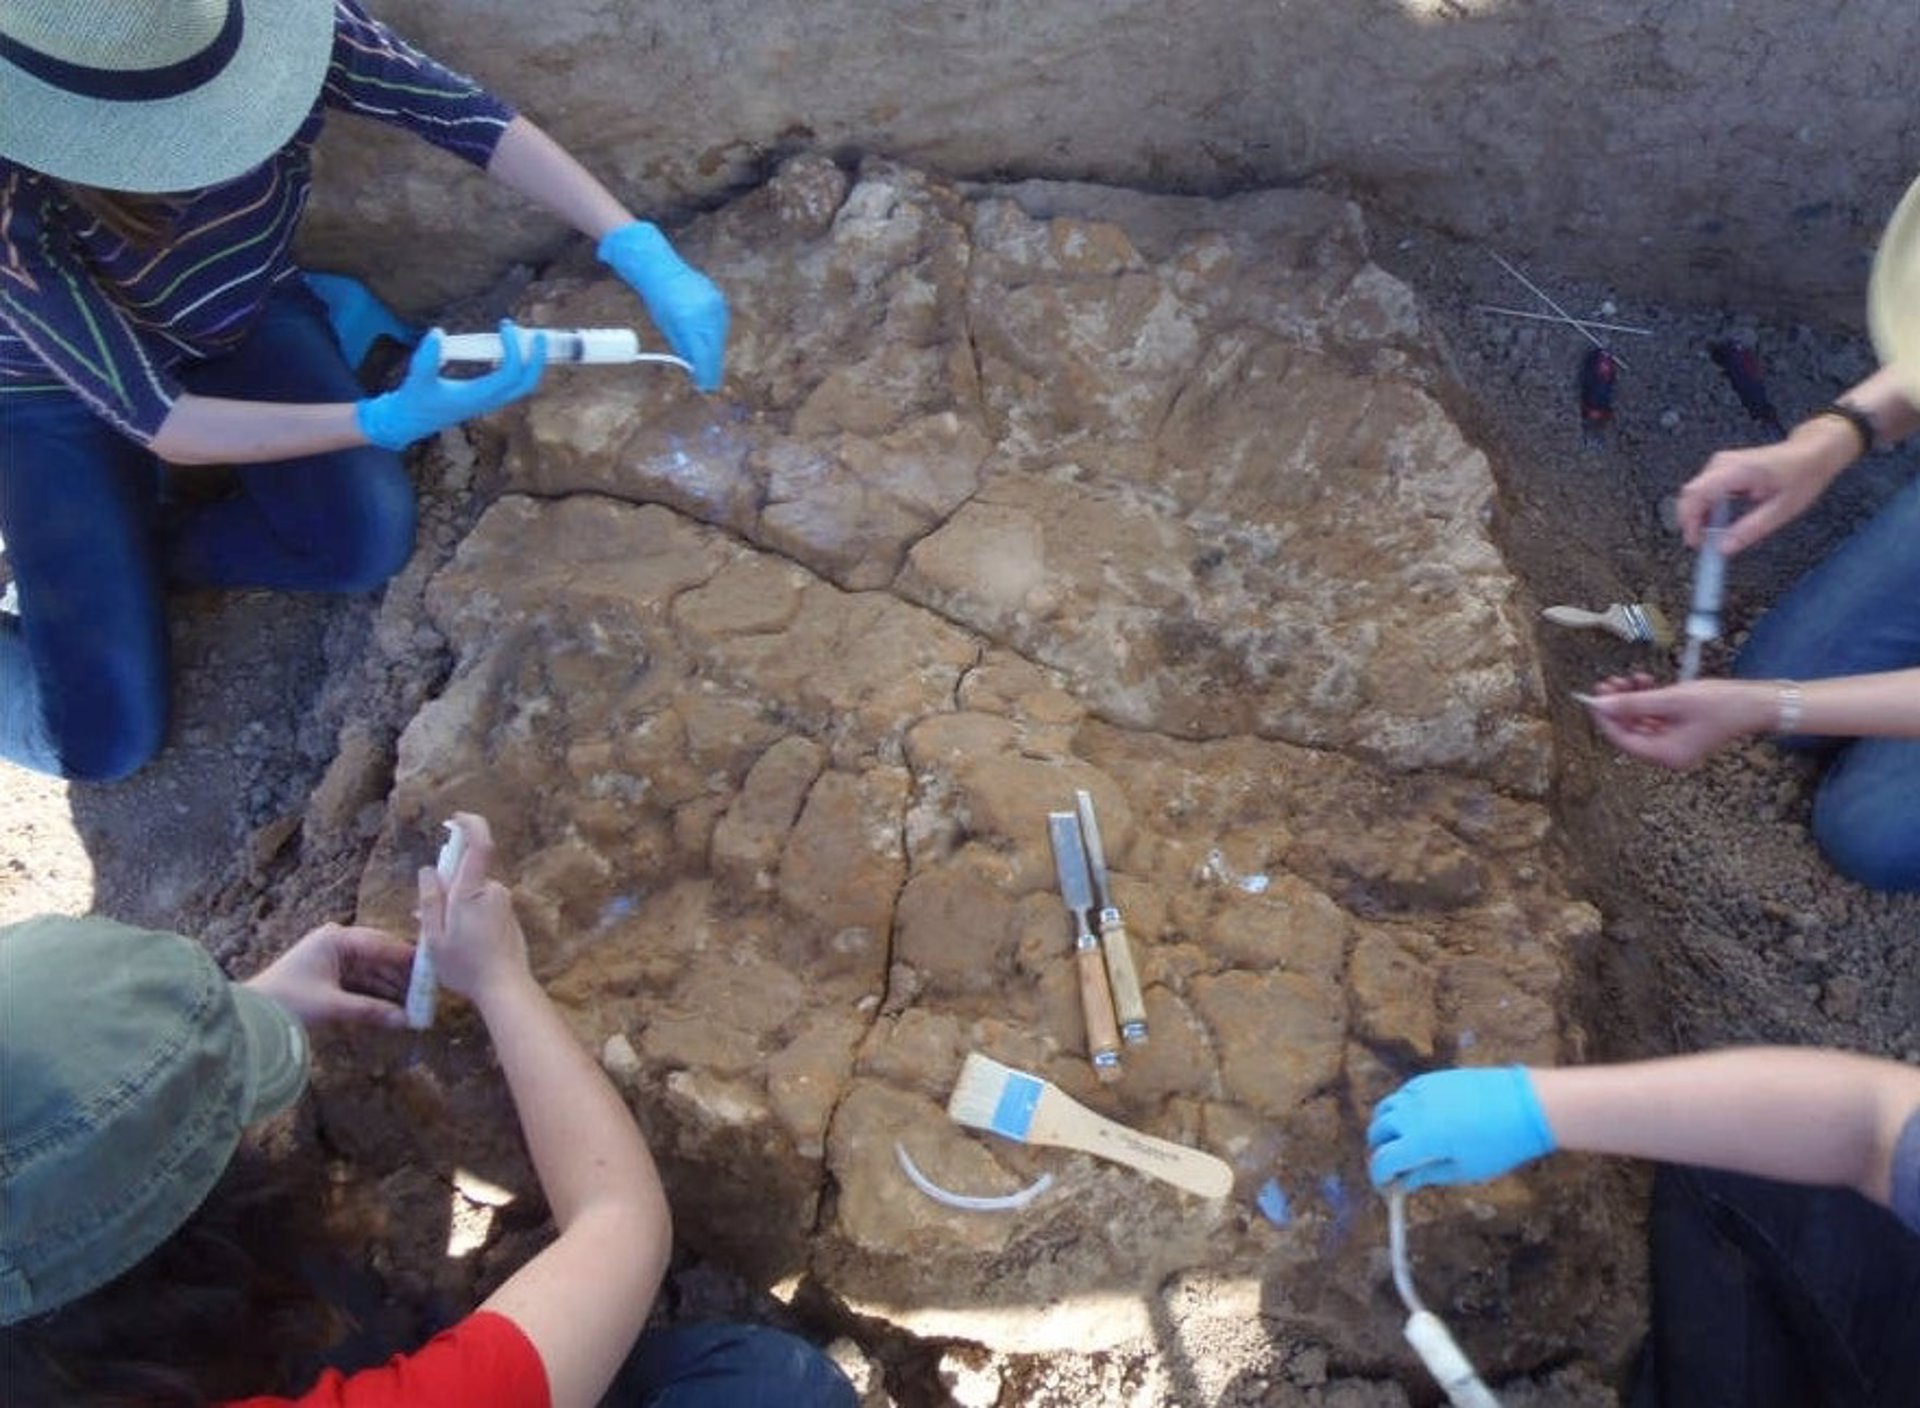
1128,1005
1096,1000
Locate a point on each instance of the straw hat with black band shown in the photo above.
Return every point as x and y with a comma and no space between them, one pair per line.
157,95
1893,295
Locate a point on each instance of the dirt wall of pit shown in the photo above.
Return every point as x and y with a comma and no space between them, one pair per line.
1704,146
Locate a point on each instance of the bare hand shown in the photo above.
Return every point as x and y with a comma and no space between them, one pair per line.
1778,482
1679,725
469,925
340,973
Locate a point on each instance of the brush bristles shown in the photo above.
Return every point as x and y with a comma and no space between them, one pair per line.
1654,625
980,1100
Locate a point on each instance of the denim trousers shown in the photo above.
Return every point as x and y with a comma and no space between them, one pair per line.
84,678
727,1366
1772,1295
1857,612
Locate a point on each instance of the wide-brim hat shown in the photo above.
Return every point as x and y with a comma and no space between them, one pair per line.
1893,294
157,95
129,1068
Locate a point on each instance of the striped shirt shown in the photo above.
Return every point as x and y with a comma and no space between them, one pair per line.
83,308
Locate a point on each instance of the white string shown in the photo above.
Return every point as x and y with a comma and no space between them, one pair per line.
969,1202
1397,1247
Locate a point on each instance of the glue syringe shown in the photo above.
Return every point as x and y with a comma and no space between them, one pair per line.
423,989
1709,585
1426,1332
570,346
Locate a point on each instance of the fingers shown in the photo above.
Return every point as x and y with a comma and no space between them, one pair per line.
1402,1163
1728,474
519,371
1385,1125
1624,684
476,860
374,963
707,340
1753,525
366,1010
425,362
371,945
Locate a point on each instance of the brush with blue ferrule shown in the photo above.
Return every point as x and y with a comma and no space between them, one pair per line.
1018,1106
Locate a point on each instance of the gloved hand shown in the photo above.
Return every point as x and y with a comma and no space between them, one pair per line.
427,402
1461,1126
685,304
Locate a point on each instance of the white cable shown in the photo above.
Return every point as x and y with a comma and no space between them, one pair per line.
1425,1331
970,1202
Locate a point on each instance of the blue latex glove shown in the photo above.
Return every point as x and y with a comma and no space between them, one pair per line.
426,402
1462,1126
684,303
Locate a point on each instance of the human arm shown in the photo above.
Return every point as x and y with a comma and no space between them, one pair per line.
685,305
1797,1115
1804,1116
377,74
213,430
1779,482
1679,726
340,973
582,1300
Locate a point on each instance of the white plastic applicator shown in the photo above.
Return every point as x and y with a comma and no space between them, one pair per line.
565,346
423,988
1425,1331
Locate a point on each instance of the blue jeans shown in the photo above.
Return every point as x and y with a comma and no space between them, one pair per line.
1769,1295
727,1366
83,670
1856,613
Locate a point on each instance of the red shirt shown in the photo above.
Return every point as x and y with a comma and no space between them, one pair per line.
486,1361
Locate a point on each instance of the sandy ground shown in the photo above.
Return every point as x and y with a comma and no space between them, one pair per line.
1723,922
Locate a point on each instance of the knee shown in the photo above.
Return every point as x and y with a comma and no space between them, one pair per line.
376,541
1773,650
115,742
791,1370
1869,846
740,1364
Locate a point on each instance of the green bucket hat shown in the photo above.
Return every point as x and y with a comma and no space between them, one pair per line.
128,1067
1893,294
157,95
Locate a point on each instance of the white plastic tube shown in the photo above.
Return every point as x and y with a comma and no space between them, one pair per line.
572,346
423,989
1451,1368
1425,1331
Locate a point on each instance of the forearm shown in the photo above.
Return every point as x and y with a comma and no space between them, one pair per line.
1884,705
1803,1116
585,1145
213,430
529,161
1827,445
1893,414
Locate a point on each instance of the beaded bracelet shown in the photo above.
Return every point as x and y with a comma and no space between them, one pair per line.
1861,422
1791,704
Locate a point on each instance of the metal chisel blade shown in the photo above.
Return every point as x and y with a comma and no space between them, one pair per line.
1123,979
1070,863
1096,851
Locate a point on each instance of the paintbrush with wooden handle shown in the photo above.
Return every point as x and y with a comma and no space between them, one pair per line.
1012,1103
1638,622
